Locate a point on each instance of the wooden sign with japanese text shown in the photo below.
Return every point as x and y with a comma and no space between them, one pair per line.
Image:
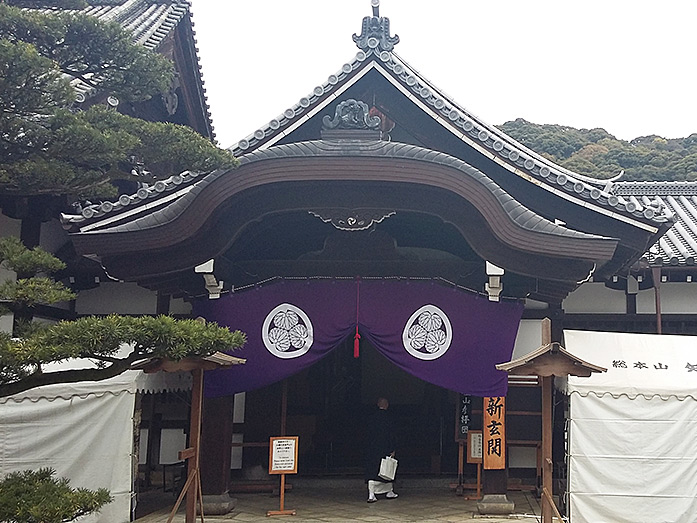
494,428
463,417
474,446
283,455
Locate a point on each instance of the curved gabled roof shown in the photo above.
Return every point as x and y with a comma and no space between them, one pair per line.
180,217
517,213
376,53
202,220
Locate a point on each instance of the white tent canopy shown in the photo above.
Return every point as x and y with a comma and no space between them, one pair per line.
633,429
638,364
83,430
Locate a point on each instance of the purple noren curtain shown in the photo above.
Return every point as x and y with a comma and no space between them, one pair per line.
439,334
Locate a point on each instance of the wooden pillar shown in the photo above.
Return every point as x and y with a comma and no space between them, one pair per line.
656,275
631,294
494,481
162,306
194,442
216,445
547,463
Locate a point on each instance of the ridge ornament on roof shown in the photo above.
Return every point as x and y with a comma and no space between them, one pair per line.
375,33
351,114
352,121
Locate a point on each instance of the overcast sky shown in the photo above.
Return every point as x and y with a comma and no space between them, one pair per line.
627,66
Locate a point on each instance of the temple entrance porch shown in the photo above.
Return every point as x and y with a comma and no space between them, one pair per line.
328,404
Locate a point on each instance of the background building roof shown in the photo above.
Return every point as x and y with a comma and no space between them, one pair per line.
678,246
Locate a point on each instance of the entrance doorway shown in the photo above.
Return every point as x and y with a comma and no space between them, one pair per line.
328,403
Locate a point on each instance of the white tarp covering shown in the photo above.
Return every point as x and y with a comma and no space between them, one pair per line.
88,439
633,429
83,430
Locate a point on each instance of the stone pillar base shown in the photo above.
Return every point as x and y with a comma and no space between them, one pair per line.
495,504
217,504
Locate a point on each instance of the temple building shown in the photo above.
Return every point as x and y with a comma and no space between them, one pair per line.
378,240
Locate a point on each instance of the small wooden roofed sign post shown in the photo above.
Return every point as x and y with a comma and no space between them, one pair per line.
196,365
549,360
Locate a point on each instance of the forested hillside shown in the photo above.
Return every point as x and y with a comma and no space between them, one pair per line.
596,153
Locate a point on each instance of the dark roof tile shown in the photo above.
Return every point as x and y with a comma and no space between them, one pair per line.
679,245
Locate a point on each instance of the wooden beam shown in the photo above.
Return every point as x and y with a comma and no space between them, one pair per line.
186,453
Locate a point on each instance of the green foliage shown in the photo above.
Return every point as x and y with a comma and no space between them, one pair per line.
29,289
102,339
98,53
596,153
46,147
31,85
150,336
38,497
28,292
16,257
81,152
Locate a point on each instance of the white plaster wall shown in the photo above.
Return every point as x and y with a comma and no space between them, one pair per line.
522,457
9,226
676,298
6,322
238,407
171,442
595,298
236,453
117,298
143,447
536,305
179,306
53,236
528,339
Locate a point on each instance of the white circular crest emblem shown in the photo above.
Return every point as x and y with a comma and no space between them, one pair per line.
287,332
427,334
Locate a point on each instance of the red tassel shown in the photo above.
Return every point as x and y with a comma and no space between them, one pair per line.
356,343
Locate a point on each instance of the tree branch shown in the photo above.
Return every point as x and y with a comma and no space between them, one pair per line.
68,376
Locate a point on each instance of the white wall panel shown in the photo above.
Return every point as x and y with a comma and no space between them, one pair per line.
595,298
676,298
119,298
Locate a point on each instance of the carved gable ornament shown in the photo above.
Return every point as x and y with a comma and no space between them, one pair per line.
352,114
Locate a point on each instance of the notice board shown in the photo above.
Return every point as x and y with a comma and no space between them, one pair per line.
283,455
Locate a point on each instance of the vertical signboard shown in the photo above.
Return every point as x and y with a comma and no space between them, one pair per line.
463,417
494,428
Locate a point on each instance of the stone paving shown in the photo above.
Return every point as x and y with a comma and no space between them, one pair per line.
322,504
